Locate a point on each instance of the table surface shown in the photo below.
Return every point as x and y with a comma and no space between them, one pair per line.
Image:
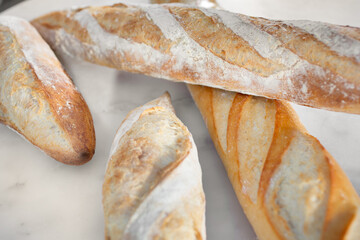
41,198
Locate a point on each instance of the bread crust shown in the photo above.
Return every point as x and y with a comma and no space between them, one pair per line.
289,186
39,100
152,187
310,63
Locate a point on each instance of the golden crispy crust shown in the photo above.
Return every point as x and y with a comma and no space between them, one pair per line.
62,20
40,100
152,187
234,49
294,160
300,61
305,44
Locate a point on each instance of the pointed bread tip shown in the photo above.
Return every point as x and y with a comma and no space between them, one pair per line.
164,101
165,98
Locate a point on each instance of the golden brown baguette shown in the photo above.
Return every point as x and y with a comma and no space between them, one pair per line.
38,99
220,103
152,187
310,63
287,183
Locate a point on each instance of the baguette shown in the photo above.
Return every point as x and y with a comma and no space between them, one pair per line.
38,99
287,183
152,187
310,63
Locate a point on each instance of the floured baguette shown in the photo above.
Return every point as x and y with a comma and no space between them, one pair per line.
287,183
152,187
38,99
310,63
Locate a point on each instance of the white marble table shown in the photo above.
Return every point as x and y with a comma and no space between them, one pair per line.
43,199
